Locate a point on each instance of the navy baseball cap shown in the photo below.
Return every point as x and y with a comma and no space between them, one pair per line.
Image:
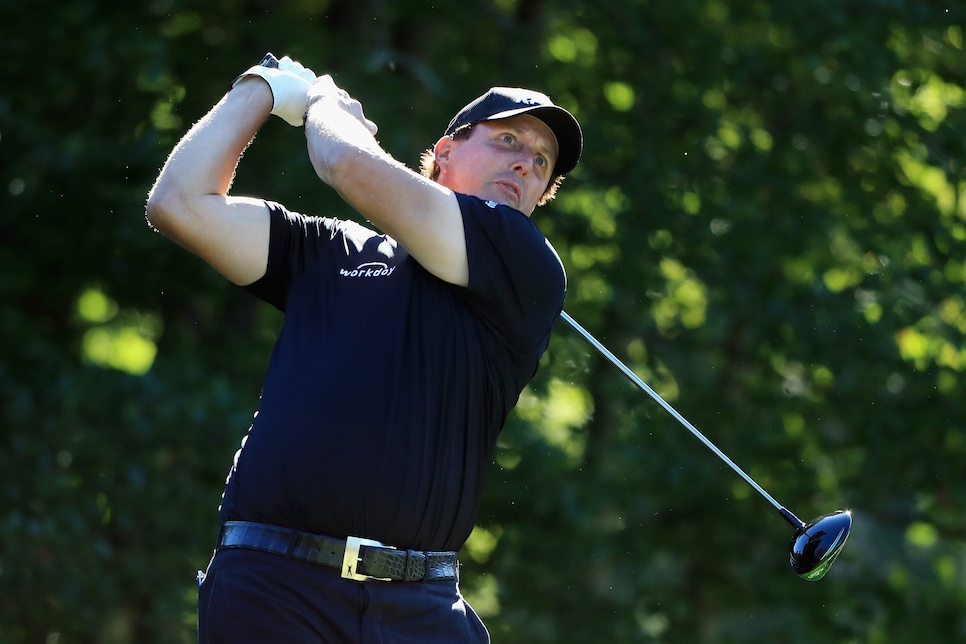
504,102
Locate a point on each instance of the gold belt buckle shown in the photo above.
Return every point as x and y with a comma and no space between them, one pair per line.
351,559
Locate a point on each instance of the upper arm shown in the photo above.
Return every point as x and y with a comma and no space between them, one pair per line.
189,201
229,233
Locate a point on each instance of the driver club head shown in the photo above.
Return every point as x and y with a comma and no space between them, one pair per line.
816,544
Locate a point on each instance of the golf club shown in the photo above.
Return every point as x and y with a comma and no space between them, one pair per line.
815,544
269,60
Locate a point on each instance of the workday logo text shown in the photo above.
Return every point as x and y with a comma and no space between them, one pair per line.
369,269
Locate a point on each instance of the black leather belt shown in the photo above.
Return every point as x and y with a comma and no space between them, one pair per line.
358,559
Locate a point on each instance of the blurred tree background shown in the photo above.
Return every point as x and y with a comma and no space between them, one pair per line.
768,225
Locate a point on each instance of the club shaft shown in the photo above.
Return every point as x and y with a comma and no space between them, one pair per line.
791,518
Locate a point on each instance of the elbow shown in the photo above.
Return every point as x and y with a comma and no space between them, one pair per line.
161,208
153,210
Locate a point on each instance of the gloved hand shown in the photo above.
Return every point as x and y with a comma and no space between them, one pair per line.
289,82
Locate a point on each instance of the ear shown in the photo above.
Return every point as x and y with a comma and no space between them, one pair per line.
443,150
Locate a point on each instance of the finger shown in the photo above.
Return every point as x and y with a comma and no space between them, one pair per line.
355,108
326,84
307,74
286,64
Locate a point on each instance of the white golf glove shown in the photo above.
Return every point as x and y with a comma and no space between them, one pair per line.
290,83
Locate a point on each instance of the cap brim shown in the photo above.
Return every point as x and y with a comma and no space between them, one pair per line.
563,124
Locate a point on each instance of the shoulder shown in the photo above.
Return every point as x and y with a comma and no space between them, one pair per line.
505,227
496,217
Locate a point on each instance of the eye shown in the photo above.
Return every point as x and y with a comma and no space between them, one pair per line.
541,161
509,139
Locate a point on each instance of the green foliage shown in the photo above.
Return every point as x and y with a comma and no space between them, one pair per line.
768,225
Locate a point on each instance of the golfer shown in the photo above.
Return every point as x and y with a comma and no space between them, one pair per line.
405,344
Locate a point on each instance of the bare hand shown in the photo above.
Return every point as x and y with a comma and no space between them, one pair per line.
325,89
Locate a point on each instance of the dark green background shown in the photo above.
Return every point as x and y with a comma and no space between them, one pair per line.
768,225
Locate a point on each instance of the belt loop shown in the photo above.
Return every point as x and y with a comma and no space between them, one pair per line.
407,575
293,542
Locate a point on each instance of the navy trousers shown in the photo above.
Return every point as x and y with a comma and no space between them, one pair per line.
251,596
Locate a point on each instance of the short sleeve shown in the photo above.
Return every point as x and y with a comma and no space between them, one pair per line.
517,282
295,242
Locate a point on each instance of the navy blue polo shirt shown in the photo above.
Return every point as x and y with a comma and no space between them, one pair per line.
387,387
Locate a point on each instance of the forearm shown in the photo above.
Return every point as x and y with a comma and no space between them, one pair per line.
204,161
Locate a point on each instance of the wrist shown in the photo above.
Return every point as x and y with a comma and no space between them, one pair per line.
256,90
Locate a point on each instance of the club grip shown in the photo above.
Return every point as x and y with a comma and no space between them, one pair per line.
269,60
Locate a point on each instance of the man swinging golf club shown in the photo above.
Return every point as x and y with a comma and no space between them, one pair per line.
403,349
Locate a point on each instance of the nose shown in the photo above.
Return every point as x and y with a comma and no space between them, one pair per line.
523,164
